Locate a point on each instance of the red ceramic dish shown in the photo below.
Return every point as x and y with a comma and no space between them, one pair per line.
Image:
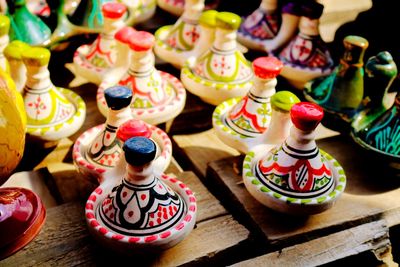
22,215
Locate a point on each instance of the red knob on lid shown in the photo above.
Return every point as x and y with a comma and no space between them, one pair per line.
133,128
141,41
306,116
124,34
113,10
267,67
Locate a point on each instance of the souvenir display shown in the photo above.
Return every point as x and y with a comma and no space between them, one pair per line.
377,127
140,212
295,177
306,57
91,62
340,94
22,215
222,72
52,112
98,150
157,96
238,122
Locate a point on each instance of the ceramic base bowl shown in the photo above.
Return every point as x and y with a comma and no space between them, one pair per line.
298,76
230,137
167,53
213,92
95,173
146,243
290,204
66,128
154,115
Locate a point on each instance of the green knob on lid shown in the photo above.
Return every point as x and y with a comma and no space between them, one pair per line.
284,100
228,21
14,49
208,18
36,56
4,25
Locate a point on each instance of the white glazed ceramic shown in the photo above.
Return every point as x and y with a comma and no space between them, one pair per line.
222,72
238,122
157,96
141,212
139,11
91,62
52,112
295,177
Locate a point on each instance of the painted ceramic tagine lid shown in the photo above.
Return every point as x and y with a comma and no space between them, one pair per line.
176,7
97,151
306,56
92,61
296,177
238,122
52,112
174,41
376,128
142,211
341,93
157,96
222,72
22,215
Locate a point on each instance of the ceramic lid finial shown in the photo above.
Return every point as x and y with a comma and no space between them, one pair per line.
132,128
4,25
141,41
208,18
355,47
113,10
14,49
267,67
124,35
36,56
284,100
228,21
139,151
306,116
118,97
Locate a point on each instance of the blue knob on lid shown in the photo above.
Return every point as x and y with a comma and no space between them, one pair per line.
139,150
118,97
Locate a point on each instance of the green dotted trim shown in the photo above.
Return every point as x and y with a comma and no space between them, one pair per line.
80,111
339,188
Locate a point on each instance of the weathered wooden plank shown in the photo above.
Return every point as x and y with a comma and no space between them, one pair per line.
65,241
366,198
371,237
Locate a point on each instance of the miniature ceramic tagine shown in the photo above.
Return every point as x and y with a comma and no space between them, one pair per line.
222,72
306,57
157,96
141,211
238,122
13,53
52,112
341,93
98,150
22,215
91,62
176,7
27,27
12,127
4,40
167,41
377,128
174,41
296,177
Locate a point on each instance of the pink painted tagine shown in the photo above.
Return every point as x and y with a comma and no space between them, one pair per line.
177,7
157,96
52,112
306,57
22,215
239,121
191,35
222,72
141,211
271,25
97,151
296,177
91,62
